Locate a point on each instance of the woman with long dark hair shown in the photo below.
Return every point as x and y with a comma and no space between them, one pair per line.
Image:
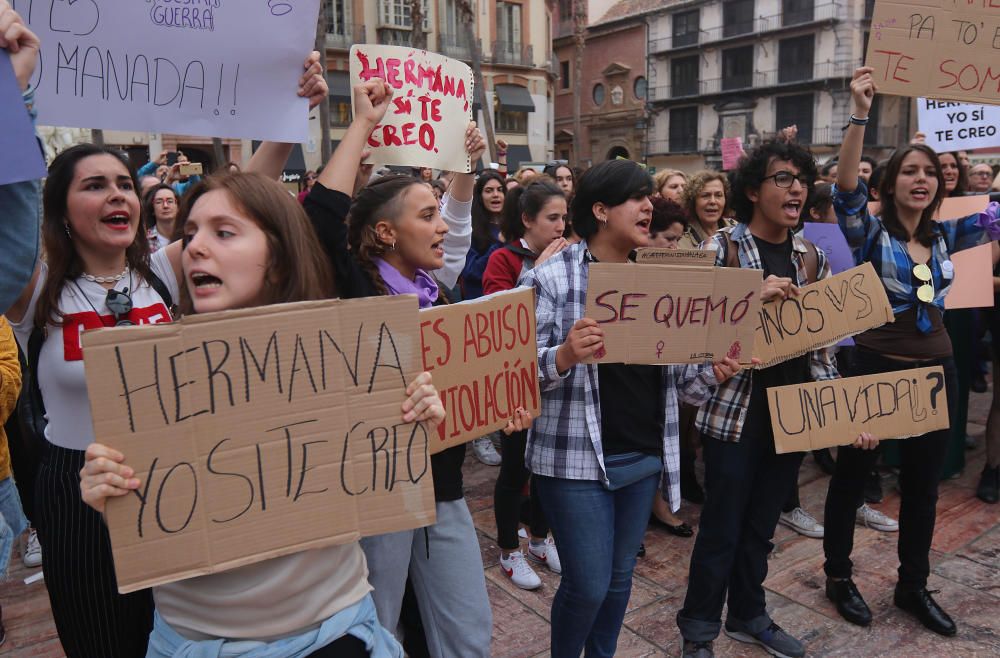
159,208
487,216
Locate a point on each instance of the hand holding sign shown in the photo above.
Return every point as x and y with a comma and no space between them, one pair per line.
371,101
777,287
866,441
726,369
584,341
423,403
20,42
104,475
312,84
863,91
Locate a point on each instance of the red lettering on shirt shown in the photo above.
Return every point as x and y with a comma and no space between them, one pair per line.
74,324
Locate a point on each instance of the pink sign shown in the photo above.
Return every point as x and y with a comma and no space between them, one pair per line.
732,151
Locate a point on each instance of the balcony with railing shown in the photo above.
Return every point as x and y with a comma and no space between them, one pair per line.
343,35
784,76
758,26
516,54
455,46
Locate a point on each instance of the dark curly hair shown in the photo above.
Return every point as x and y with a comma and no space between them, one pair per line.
665,214
753,169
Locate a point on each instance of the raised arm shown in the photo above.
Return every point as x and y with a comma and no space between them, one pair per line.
270,157
862,93
371,100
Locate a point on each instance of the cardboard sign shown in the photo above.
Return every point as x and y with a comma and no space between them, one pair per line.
431,106
259,433
937,49
960,207
20,155
823,314
951,126
732,151
216,68
483,356
973,284
831,240
660,314
891,405
662,256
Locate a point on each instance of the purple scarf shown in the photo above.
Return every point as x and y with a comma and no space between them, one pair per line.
423,285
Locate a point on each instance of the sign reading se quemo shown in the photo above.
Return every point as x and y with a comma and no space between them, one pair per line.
660,314
483,357
937,49
217,68
259,433
891,405
430,108
822,314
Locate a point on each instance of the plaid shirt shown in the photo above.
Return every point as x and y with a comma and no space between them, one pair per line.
565,439
870,241
722,417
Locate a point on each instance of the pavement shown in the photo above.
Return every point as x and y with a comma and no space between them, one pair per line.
965,559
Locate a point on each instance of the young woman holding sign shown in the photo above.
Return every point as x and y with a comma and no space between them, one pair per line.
607,434
911,253
386,242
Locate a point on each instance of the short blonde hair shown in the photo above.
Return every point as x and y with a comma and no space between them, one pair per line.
660,178
696,184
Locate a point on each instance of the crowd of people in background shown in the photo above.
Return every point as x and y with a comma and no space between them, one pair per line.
614,448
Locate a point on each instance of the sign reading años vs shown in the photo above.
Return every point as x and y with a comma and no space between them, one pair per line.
430,108
216,68
258,433
939,49
483,356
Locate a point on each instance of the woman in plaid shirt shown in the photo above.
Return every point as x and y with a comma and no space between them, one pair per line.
606,434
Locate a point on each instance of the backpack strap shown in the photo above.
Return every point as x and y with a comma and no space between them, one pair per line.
811,262
732,252
161,289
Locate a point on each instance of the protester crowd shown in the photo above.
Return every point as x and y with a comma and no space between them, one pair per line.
614,446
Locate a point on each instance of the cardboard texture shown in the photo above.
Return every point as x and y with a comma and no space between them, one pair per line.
972,287
483,356
431,106
661,314
214,69
960,207
259,433
936,49
891,405
953,126
662,256
823,314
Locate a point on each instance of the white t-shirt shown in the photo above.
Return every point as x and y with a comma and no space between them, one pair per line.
156,241
60,364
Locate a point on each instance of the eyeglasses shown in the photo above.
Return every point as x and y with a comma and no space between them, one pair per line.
925,293
120,304
981,174
784,179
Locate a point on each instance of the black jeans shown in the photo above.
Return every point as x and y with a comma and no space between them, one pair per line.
345,646
921,461
746,484
507,494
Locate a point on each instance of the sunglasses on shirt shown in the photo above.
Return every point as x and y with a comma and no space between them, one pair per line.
925,292
120,305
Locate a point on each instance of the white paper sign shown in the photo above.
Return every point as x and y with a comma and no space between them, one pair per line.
431,106
215,68
953,126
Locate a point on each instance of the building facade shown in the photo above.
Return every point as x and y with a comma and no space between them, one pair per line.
748,68
514,37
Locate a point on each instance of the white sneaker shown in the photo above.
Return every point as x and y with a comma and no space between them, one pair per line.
484,451
31,556
519,571
872,518
802,522
546,554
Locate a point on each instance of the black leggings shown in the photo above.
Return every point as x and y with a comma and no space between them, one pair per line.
507,494
346,646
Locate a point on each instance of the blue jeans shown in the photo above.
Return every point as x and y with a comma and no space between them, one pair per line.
12,521
599,533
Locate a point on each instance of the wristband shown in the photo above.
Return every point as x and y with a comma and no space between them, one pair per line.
856,121
500,154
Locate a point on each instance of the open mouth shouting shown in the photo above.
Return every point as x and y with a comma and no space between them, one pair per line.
118,220
792,209
203,283
920,194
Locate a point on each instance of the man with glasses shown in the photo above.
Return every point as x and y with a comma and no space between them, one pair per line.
981,178
746,482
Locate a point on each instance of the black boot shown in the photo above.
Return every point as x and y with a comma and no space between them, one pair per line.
989,484
848,600
920,604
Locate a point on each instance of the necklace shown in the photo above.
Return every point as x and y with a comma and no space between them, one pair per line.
106,279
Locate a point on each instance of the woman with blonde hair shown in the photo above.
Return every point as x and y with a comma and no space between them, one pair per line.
670,184
705,199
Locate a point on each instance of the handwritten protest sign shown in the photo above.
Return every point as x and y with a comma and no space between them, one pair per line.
821,315
951,126
732,151
831,240
20,155
972,287
484,359
660,314
431,106
958,207
217,68
891,405
661,256
258,433
937,49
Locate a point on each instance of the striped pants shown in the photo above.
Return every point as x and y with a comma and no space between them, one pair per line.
93,620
